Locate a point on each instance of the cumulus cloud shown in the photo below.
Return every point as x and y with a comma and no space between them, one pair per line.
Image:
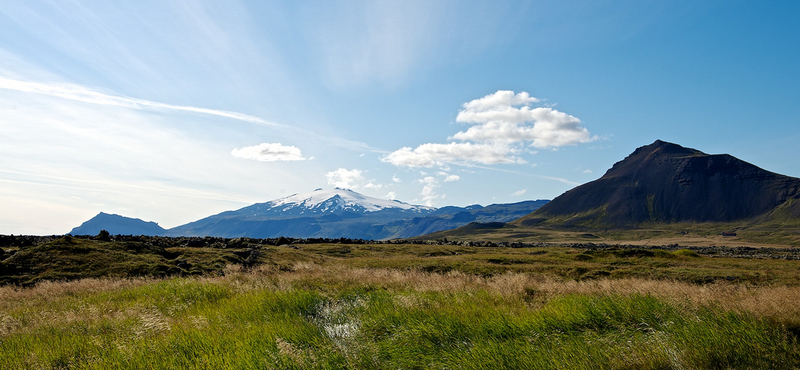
549,128
498,99
451,178
429,190
344,178
391,196
505,117
502,124
269,152
395,179
519,193
429,155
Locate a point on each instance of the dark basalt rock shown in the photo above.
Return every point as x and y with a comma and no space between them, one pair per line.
664,182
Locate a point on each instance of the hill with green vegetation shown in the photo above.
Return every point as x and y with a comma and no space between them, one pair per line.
662,192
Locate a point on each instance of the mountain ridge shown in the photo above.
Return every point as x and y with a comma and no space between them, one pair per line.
664,183
338,213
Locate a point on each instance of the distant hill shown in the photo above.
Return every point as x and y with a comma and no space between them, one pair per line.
452,217
665,183
118,225
337,213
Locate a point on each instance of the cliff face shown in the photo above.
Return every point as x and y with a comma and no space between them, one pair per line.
665,182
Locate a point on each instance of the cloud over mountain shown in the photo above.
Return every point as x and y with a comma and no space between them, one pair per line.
344,178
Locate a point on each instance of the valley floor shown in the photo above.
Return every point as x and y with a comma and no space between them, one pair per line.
407,306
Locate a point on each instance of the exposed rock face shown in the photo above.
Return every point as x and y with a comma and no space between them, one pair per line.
665,182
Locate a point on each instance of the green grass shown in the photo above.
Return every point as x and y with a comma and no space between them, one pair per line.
257,320
765,231
84,258
393,306
70,258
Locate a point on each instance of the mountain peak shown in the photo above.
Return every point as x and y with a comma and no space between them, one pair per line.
665,182
117,225
338,200
657,151
666,148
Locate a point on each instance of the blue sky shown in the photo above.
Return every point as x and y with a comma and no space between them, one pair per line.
174,110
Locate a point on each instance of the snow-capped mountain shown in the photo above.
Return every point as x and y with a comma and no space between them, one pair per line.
328,202
344,213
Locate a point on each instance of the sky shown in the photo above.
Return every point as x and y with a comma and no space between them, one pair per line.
171,111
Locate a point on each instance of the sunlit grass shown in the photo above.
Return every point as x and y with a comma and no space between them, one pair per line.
342,317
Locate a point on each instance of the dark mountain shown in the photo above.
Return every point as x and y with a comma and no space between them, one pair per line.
118,225
344,213
664,182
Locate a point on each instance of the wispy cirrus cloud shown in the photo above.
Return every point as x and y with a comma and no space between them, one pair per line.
88,95
386,42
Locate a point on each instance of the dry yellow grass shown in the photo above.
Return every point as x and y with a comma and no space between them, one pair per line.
339,312
769,301
778,302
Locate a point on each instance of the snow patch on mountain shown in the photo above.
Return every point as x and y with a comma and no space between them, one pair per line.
336,200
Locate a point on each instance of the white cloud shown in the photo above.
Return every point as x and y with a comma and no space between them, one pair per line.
395,178
588,171
519,193
88,95
500,98
429,190
429,155
344,178
502,123
505,117
74,159
551,128
372,185
391,196
451,178
269,152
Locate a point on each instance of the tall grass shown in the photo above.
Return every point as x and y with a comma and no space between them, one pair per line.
326,318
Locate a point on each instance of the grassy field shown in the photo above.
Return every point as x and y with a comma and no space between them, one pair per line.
343,317
754,234
74,258
398,306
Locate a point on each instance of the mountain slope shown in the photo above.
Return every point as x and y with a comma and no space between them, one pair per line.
344,213
118,225
458,217
321,213
664,182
